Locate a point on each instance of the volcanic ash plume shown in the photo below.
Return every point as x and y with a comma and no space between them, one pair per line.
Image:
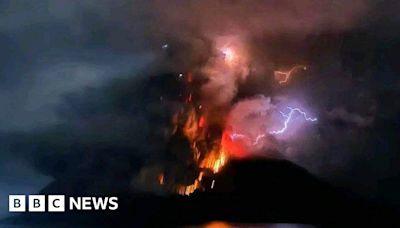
247,125
210,92
257,17
224,71
216,127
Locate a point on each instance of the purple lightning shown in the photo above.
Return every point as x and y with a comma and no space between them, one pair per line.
235,136
289,118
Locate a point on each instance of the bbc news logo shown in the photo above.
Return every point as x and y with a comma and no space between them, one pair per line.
57,203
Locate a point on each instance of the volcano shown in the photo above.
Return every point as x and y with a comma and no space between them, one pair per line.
245,191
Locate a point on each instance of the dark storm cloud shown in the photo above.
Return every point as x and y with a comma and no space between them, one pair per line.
341,114
49,49
259,17
52,47
352,88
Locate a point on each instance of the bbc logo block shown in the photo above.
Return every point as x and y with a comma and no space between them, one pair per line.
59,203
36,203
16,203
56,203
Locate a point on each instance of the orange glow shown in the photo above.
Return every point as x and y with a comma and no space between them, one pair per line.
161,179
202,121
214,160
189,98
191,127
189,77
218,224
236,148
200,176
203,126
187,190
195,129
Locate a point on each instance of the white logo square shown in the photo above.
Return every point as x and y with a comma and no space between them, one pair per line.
37,203
56,203
16,203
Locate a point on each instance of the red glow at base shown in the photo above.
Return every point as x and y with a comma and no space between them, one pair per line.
235,148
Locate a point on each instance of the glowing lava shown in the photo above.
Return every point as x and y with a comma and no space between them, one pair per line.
234,143
208,152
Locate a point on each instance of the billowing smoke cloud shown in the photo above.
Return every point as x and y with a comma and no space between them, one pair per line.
225,71
262,127
249,121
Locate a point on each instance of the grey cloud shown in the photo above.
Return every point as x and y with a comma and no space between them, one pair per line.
351,118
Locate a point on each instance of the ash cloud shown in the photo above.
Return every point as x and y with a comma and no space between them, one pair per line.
342,114
258,17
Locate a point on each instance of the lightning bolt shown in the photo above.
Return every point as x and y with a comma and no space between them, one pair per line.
288,73
235,136
258,138
288,118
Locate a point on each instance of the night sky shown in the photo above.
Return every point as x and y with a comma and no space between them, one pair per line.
87,91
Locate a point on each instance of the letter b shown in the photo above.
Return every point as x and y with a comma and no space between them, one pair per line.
37,203
16,203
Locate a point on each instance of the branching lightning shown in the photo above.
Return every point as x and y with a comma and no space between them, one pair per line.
235,136
289,117
286,75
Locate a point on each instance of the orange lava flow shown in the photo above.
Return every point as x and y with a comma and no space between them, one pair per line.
208,152
161,179
195,130
215,160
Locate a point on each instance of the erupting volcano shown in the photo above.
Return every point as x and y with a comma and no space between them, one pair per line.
217,125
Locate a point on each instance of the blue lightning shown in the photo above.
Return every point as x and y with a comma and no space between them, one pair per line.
288,118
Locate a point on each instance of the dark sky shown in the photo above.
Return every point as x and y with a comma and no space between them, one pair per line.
49,49
75,90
